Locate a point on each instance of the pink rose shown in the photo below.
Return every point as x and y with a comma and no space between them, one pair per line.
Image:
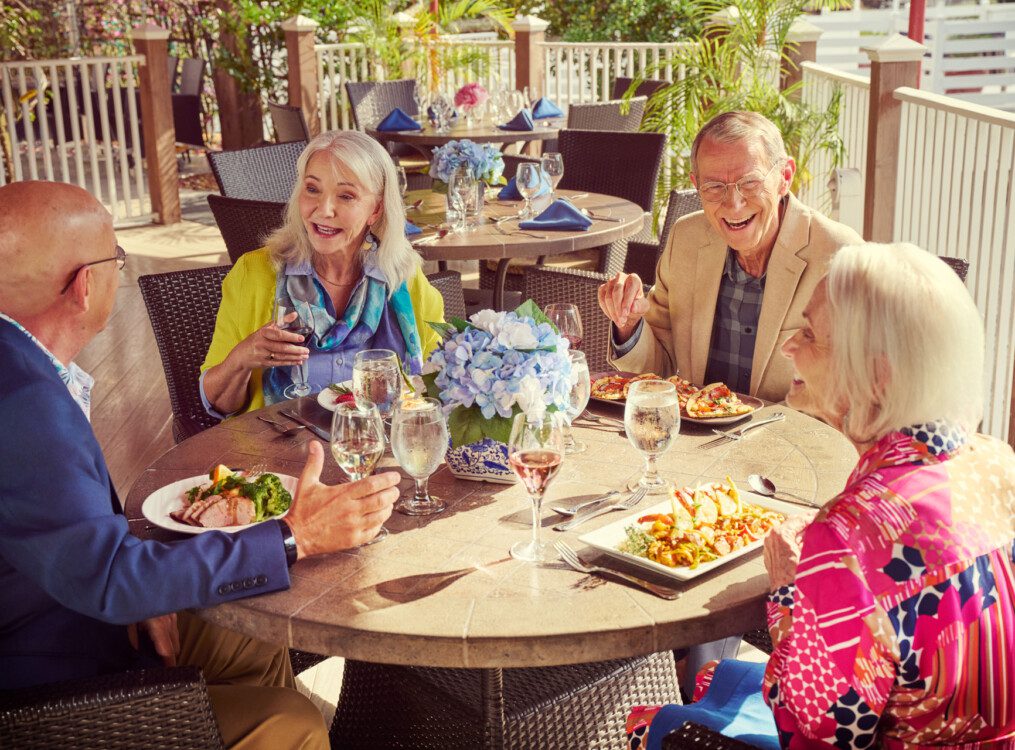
471,95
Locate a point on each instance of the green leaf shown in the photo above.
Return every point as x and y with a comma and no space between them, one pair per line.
430,383
529,309
465,426
444,330
459,324
499,428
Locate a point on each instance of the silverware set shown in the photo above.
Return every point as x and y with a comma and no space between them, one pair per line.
728,437
601,509
570,557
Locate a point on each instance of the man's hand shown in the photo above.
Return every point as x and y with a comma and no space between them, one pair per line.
622,299
328,519
782,550
164,634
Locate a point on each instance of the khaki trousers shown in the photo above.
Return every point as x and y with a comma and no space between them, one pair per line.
251,688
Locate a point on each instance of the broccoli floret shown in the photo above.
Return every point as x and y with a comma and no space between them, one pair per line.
270,498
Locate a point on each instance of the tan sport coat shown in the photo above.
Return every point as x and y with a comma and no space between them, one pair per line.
683,300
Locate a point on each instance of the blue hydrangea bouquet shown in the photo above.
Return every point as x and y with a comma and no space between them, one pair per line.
483,160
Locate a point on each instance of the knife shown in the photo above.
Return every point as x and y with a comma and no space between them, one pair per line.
319,431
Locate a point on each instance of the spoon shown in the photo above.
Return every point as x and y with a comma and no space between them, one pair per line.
765,486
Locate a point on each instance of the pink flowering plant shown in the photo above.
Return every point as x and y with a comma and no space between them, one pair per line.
471,95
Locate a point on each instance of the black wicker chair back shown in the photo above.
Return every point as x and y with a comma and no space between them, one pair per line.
959,265
646,88
607,116
449,284
371,101
261,173
182,306
164,708
289,123
190,76
643,257
622,164
245,224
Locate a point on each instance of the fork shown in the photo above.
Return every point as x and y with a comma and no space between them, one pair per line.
725,437
572,510
635,498
570,557
280,428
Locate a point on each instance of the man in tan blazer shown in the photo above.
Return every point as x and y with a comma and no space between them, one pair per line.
733,281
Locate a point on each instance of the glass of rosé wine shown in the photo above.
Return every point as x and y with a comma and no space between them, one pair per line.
535,454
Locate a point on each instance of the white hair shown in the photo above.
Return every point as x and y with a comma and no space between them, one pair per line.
737,126
356,155
907,341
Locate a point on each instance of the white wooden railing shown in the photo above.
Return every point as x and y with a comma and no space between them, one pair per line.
78,120
956,196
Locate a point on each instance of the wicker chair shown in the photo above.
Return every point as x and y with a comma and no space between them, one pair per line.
578,706
289,123
245,224
546,285
261,173
182,306
371,102
191,76
959,265
643,257
646,88
692,736
164,708
449,284
607,116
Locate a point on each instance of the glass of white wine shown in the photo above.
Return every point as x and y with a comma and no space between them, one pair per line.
357,443
377,379
578,399
419,440
535,453
552,165
652,421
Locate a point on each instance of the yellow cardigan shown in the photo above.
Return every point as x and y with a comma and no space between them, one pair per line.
248,295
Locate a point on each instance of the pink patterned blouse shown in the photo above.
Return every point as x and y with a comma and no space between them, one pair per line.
899,629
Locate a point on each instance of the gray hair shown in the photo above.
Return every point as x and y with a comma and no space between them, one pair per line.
359,156
731,127
907,341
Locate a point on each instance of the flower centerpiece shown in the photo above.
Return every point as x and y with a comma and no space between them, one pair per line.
483,160
470,98
488,369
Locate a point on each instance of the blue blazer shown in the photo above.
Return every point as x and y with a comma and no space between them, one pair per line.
72,577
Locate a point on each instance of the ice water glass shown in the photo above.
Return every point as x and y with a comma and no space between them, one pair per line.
357,443
287,318
403,180
578,399
552,165
419,440
528,180
462,196
568,320
377,379
535,453
652,421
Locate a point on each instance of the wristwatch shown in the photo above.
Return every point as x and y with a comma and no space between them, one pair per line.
288,542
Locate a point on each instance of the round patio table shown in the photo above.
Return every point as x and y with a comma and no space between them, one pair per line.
427,140
443,591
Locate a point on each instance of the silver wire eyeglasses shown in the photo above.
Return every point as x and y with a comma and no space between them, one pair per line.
748,186
120,258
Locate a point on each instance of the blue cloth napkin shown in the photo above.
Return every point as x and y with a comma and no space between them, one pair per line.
510,191
398,120
560,215
545,108
411,229
521,121
733,705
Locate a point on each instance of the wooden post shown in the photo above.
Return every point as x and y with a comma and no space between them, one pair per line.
240,117
895,62
530,32
803,36
303,84
157,123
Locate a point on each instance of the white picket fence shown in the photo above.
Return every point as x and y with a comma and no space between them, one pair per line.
78,120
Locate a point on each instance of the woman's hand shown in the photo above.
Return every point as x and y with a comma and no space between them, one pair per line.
782,550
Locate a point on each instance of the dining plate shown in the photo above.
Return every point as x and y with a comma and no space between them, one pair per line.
609,537
754,403
328,398
158,505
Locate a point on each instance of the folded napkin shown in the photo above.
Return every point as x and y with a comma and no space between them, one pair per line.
560,215
521,121
411,229
398,120
510,191
545,108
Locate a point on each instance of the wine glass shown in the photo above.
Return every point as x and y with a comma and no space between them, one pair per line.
419,440
567,319
403,180
578,399
552,164
357,443
287,318
376,379
527,180
535,453
462,195
652,421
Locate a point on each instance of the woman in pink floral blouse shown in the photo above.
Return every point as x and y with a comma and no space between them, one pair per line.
892,613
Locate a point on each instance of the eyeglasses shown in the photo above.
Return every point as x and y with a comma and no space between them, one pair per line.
748,187
120,258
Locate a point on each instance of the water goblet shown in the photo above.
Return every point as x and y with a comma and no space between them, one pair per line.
403,180
552,164
419,440
652,421
535,453
461,195
376,379
568,320
288,318
528,181
357,443
578,399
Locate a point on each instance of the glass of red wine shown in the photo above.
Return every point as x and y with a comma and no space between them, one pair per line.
288,318
568,320
535,453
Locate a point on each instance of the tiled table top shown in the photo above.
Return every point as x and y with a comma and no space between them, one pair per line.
443,591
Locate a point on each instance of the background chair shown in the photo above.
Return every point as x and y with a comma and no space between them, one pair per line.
244,224
449,284
646,88
188,114
182,306
607,116
643,257
191,75
164,708
959,265
261,173
289,123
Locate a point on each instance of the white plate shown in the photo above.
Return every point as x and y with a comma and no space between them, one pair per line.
328,398
607,538
158,505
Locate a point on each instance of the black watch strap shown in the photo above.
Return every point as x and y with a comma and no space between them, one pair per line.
288,542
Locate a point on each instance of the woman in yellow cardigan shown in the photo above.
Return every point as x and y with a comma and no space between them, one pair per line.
342,260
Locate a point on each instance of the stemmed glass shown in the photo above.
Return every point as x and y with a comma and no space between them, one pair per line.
357,443
578,399
287,318
527,180
376,379
535,453
567,319
552,164
652,421
403,180
462,195
419,440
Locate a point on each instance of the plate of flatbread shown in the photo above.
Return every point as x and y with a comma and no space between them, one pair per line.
711,404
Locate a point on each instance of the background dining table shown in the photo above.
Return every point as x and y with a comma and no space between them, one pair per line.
428,139
443,591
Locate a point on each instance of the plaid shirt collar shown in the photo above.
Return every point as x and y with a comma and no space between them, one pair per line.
733,272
